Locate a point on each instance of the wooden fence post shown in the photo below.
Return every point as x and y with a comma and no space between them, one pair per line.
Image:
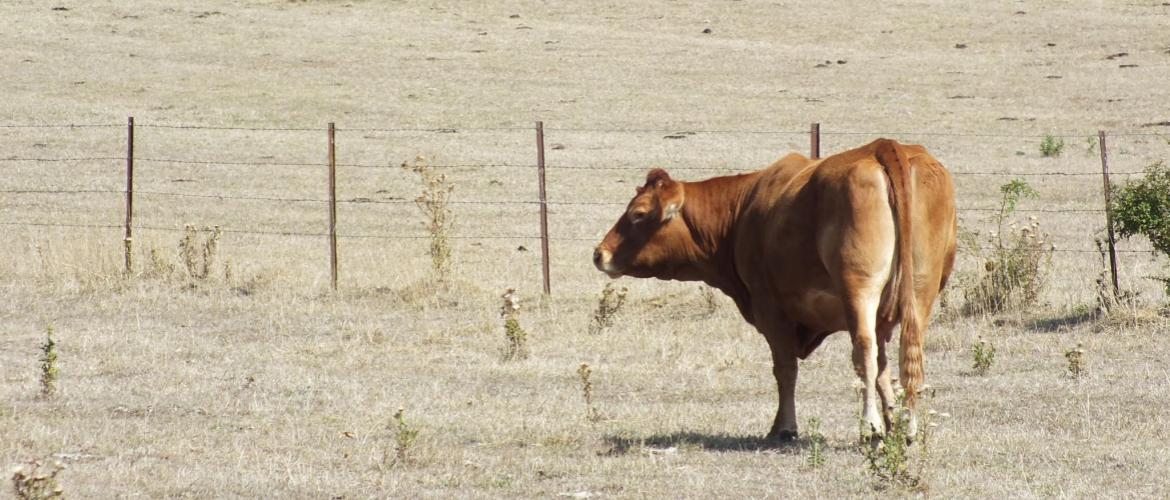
332,207
128,239
1109,212
815,141
543,205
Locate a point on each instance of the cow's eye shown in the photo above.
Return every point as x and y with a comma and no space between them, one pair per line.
637,216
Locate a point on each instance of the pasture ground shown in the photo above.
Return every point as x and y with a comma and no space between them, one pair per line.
267,384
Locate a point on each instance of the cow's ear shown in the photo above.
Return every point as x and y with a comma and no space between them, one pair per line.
658,178
671,199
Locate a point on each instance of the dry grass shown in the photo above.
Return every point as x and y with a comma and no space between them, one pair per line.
264,384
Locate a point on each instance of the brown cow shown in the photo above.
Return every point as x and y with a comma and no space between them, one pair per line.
858,241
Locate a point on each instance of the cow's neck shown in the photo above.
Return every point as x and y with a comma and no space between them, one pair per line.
711,210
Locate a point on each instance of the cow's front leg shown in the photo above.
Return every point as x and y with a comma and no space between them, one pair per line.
784,368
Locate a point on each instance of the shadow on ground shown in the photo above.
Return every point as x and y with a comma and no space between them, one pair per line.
620,445
1063,323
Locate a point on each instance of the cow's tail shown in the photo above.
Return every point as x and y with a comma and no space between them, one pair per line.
891,156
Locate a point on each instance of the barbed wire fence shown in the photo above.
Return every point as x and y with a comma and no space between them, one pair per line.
537,169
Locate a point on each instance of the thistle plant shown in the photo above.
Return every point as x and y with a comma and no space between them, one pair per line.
888,461
710,303
1016,270
816,444
1076,361
983,355
36,481
584,372
608,305
198,256
49,365
434,203
404,437
516,347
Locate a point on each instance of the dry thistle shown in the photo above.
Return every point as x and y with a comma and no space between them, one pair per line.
1076,361
199,257
608,305
517,339
433,202
591,413
49,365
33,480
710,303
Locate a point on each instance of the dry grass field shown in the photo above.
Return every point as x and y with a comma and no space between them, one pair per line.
265,383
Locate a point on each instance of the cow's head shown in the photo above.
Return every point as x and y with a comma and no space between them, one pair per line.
650,240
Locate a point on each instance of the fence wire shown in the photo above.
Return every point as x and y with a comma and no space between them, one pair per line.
674,133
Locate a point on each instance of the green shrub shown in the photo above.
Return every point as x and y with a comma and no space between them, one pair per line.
1142,207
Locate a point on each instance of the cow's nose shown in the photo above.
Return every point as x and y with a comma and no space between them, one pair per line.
597,256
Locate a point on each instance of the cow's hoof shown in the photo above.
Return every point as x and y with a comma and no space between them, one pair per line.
781,437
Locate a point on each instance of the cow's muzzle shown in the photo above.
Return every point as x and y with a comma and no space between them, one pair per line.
603,260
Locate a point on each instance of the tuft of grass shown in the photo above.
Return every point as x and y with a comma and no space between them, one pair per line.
516,347
434,203
584,372
816,443
49,365
608,305
36,481
1076,361
1016,267
983,355
1051,147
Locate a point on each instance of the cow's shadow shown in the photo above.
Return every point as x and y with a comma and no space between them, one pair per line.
621,445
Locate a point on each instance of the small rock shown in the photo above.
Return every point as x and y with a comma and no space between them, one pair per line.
706,31
960,45
61,9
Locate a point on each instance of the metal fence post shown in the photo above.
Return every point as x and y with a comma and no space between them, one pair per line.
1109,212
815,141
128,239
543,205
332,207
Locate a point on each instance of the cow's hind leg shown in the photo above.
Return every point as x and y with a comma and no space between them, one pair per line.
884,383
861,313
784,368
